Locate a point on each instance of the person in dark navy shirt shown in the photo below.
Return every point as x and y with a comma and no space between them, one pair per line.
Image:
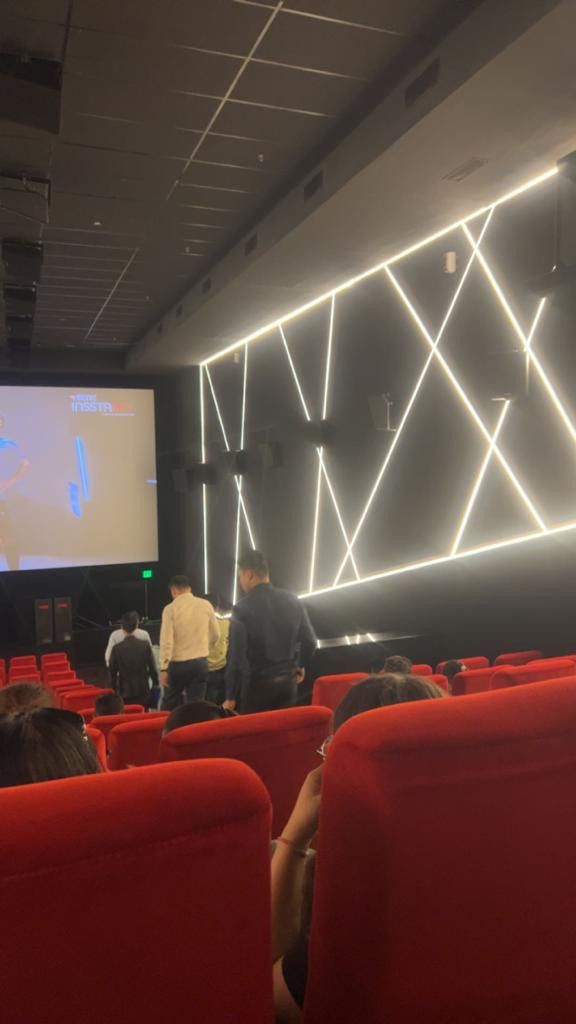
271,642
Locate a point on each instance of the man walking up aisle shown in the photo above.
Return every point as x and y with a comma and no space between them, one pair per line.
189,629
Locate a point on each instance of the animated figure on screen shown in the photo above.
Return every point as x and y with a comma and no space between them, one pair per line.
13,466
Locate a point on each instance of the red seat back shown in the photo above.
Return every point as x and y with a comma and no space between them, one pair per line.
178,855
518,657
129,709
475,681
24,661
518,675
448,841
422,670
281,747
328,691
105,723
439,679
471,663
98,741
55,658
75,700
59,675
135,743
23,675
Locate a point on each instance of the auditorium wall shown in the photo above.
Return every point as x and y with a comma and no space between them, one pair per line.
464,512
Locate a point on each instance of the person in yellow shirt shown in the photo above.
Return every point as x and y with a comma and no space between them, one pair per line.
218,654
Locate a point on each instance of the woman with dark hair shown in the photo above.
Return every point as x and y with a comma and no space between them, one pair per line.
44,744
19,697
293,860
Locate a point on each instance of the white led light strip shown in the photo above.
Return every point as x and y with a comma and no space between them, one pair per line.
491,437
238,509
227,445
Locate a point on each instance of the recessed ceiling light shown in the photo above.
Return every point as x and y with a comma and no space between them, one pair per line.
97,223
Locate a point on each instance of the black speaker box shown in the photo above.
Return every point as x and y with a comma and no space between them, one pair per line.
43,621
63,619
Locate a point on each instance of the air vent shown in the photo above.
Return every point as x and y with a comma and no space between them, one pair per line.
465,170
251,244
179,310
423,83
313,185
206,286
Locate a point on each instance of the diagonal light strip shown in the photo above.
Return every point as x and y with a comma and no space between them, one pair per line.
414,395
479,479
319,453
490,450
225,438
319,475
552,393
428,563
242,423
204,501
468,404
293,314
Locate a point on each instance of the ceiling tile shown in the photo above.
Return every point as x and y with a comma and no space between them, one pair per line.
298,90
218,25
328,46
404,16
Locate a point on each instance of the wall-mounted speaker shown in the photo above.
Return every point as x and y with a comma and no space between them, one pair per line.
63,619
237,463
43,621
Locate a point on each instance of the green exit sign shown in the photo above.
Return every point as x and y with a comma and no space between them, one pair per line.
147,574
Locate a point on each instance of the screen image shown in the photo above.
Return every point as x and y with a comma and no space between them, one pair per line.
77,477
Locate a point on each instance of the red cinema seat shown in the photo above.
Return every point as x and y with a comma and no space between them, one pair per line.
475,681
518,657
422,670
105,723
439,679
135,743
75,700
518,675
281,747
98,741
129,709
471,663
177,854
328,691
55,658
24,675
447,841
24,661
57,675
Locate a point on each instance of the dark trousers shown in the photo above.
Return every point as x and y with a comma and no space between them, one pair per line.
269,694
216,691
187,681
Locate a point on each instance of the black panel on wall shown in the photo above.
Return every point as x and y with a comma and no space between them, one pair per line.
378,346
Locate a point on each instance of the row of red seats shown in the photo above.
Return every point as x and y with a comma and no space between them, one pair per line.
483,905
25,668
328,691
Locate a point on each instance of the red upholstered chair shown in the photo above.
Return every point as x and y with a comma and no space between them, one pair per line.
518,675
105,723
475,681
135,743
54,658
75,700
177,857
59,675
98,741
445,885
439,679
64,688
422,670
471,663
329,690
23,675
518,657
24,661
281,747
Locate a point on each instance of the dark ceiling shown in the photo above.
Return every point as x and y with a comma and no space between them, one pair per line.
181,122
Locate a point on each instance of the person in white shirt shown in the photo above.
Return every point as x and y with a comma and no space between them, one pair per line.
189,629
120,634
